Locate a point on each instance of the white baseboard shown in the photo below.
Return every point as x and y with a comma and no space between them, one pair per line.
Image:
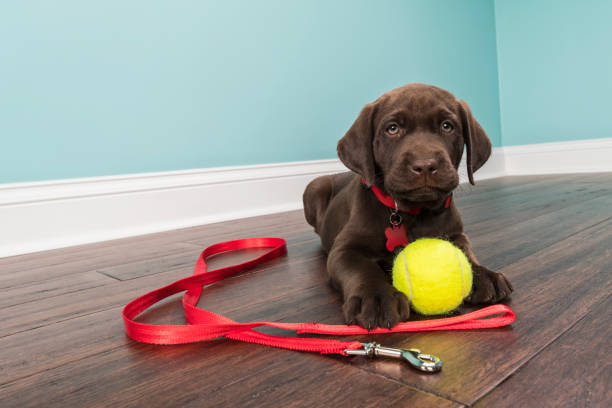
47,215
580,156
494,167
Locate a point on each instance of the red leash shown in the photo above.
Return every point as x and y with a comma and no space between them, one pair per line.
207,325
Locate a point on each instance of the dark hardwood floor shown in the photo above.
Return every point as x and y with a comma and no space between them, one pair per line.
62,342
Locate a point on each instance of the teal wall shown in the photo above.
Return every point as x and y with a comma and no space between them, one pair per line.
113,87
555,69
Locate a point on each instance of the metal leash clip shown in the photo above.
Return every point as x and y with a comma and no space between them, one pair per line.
418,360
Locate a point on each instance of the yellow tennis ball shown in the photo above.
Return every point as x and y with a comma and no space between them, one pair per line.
434,275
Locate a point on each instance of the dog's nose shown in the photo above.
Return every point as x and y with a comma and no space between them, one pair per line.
424,166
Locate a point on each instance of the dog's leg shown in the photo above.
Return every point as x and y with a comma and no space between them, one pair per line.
318,194
316,198
369,299
488,286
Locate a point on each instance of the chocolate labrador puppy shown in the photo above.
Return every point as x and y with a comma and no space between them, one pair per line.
404,150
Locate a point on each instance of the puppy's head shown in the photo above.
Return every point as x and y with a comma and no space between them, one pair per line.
410,142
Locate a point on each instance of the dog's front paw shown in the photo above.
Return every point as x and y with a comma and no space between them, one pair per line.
372,307
489,286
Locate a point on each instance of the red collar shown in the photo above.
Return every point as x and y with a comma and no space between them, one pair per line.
387,200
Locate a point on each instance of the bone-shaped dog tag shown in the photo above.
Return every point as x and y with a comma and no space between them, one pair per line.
396,236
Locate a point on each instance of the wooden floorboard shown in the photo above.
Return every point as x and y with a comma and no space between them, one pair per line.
553,289
288,275
118,263
39,270
197,375
62,340
51,287
580,359
40,322
505,186
500,247
511,209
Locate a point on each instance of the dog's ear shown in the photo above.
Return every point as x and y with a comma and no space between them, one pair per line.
355,148
476,141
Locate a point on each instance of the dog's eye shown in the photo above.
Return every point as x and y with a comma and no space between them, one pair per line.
392,129
447,126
